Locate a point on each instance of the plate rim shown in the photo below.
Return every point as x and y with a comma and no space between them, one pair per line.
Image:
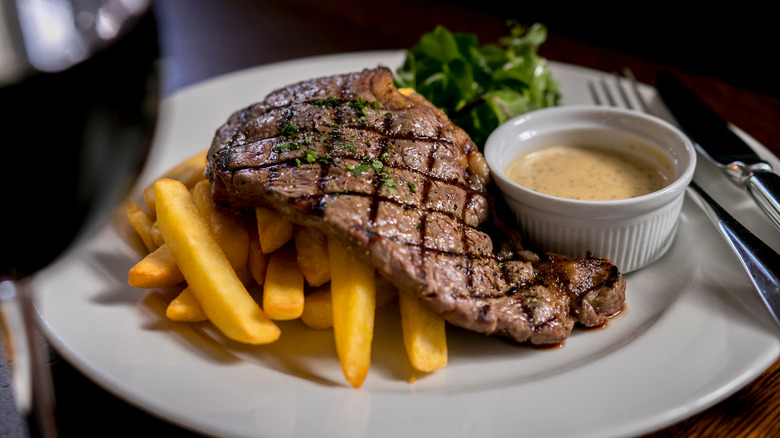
118,388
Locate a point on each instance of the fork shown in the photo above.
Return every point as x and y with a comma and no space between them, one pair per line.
760,261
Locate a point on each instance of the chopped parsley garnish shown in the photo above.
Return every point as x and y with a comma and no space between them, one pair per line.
288,146
290,130
412,187
326,159
310,156
383,177
359,103
362,167
348,146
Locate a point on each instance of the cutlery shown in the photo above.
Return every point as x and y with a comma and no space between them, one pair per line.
760,261
719,144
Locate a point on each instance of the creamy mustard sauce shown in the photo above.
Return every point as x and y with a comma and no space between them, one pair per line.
592,173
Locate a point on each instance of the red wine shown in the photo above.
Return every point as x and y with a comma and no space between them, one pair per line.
72,144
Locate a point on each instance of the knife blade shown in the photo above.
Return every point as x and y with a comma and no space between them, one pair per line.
719,144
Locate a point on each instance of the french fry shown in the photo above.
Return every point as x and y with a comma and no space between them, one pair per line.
185,308
156,236
216,254
353,292
423,333
148,194
312,248
208,272
142,222
274,229
158,269
318,308
283,288
189,172
228,230
257,260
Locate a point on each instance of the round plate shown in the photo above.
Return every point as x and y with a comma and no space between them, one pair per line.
693,331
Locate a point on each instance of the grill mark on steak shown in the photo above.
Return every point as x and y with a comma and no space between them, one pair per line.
335,136
424,219
436,240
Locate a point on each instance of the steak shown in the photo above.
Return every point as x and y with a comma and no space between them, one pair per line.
392,178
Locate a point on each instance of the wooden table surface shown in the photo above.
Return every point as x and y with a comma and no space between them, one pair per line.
205,38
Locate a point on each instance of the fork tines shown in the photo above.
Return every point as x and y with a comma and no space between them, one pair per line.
612,90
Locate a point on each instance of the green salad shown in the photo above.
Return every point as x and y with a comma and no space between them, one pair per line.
481,86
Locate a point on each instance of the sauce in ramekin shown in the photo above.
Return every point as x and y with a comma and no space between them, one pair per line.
592,173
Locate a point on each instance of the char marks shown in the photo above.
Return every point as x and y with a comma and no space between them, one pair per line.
394,179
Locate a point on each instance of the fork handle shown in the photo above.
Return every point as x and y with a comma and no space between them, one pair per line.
761,262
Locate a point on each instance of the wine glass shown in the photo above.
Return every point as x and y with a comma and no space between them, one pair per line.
79,82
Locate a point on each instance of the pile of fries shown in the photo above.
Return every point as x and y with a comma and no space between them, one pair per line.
214,258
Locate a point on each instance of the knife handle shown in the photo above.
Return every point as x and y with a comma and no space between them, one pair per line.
765,189
760,261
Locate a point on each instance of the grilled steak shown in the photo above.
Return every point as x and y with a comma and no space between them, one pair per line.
393,178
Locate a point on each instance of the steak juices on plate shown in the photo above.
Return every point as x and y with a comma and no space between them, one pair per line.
390,176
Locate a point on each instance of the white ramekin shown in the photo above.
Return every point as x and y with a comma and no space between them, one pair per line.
631,233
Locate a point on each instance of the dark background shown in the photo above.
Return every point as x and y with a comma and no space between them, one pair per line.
736,45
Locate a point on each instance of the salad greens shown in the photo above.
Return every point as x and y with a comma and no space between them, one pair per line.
480,87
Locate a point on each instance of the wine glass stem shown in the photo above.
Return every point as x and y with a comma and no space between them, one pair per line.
38,408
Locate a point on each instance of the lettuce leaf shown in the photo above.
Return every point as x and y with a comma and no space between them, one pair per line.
481,86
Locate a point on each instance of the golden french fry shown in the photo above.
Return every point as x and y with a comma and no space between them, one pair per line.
148,194
228,230
208,272
185,308
353,292
318,308
189,172
157,269
283,288
274,229
156,236
257,260
142,222
423,333
312,248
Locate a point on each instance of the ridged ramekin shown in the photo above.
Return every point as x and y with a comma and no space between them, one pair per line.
631,233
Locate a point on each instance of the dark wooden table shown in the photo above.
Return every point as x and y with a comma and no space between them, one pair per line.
725,58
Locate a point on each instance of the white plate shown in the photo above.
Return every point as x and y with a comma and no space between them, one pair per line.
693,333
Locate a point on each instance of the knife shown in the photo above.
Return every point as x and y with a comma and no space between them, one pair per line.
719,144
